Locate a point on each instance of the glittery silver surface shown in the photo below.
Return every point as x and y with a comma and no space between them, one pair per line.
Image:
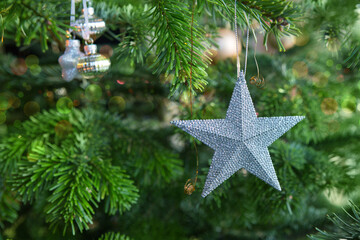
240,140
97,26
93,65
69,60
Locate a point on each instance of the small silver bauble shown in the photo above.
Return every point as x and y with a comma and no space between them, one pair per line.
68,61
96,25
93,64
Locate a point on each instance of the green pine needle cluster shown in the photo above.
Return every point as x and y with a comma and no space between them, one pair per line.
172,41
345,228
60,155
28,21
114,236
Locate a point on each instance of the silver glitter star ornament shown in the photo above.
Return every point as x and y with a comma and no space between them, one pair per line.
240,140
69,60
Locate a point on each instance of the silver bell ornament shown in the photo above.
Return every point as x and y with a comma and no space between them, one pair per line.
96,25
68,61
93,64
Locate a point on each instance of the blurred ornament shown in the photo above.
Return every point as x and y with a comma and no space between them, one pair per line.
226,46
31,108
329,106
93,64
117,104
287,41
95,24
69,59
300,69
106,50
320,79
302,40
349,104
64,105
93,92
18,66
261,48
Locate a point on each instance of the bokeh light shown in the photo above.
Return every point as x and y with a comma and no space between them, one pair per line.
16,102
93,92
64,105
117,104
120,82
35,70
320,79
329,62
333,126
302,40
349,104
6,100
31,108
340,78
106,50
60,91
300,69
31,60
18,67
76,103
329,106
63,128
3,129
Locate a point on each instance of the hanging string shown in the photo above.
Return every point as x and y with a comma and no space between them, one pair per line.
257,80
236,44
256,63
246,50
86,31
189,187
72,16
247,44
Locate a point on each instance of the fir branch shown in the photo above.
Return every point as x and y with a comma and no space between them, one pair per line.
345,228
132,21
113,236
61,155
134,39
30,20
66,162
161,163
172,34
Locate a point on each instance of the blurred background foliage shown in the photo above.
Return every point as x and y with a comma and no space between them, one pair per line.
91,160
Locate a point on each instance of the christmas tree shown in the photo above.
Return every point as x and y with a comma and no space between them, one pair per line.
95,157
